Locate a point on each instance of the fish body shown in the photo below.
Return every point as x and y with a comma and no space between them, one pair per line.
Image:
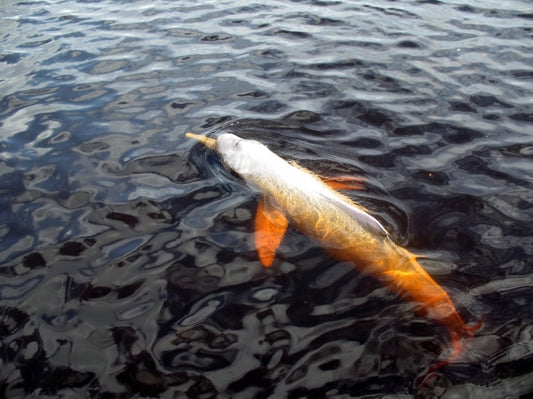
293,195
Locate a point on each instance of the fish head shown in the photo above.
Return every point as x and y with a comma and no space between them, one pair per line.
240,155
244,157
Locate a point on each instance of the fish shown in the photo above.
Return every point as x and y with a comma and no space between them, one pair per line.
293,195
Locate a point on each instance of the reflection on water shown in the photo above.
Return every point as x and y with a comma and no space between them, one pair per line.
127,258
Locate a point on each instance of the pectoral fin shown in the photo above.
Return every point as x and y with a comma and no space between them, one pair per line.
270,226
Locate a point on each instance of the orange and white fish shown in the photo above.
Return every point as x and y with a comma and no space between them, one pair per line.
292,194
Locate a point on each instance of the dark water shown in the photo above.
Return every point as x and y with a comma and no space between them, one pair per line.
127,259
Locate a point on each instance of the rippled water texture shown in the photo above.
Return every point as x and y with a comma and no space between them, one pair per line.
128,265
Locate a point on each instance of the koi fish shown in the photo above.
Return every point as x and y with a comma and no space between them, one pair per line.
293,194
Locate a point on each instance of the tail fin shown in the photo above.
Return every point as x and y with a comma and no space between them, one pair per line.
458,347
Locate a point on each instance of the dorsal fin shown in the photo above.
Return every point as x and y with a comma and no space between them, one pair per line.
346,183
360,214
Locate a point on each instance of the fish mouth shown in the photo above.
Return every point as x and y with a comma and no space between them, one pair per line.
207,141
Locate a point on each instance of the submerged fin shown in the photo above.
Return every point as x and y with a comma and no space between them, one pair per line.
344,182
270,226
341,182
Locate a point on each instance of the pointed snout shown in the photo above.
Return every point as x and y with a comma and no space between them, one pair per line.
207,141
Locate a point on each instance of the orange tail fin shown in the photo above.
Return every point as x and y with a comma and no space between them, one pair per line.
458,347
